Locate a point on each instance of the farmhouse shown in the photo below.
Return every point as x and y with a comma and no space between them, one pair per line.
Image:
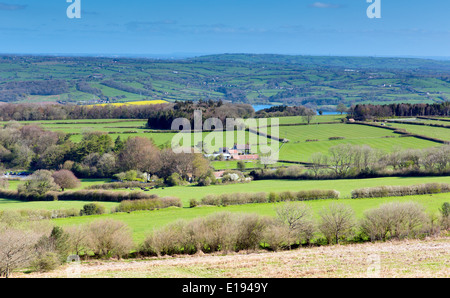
238,152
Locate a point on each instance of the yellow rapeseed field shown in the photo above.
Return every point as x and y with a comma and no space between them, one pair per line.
141,103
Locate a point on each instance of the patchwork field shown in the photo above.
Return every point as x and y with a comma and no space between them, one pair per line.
304,140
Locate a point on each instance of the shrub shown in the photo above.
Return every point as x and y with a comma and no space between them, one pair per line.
174,180
4,183
394,220
275,236
119,185
92,209
445,215
110,238
218,232
261,197
193,203
396,191
46,261
149,204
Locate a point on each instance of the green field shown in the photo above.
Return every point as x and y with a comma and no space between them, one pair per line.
298,149
344,186
144,222
429,131
260,79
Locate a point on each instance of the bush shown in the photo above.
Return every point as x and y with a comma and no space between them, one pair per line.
121,185
397,191
395,221
92,209
252,198
218,232
275,237
193,203
445,215
4,183
149,204
110,238
47,261
174,180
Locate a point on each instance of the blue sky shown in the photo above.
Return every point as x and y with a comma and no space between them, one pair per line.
148,27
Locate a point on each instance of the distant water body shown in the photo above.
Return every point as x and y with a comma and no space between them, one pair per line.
262,107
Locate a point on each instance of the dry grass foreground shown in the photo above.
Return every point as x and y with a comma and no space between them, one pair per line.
408,258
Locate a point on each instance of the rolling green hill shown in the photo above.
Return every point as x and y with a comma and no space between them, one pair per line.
243,78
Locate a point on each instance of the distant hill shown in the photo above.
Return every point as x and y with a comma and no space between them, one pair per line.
318,81
333,61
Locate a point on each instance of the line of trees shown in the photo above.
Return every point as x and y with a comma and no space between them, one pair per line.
365,112
362,161
97,155
210,109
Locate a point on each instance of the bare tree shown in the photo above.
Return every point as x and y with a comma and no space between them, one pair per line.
110,238
298,219
309,115
318,163
336,221
16,250
341,159
78,238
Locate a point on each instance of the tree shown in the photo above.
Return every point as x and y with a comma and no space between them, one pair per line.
4,183
200,166
16,250
298,219
66,179
308,115
140,154
336,221
39,183
107,165
341,108
318,163
341,159
241,165
171,162
78,239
